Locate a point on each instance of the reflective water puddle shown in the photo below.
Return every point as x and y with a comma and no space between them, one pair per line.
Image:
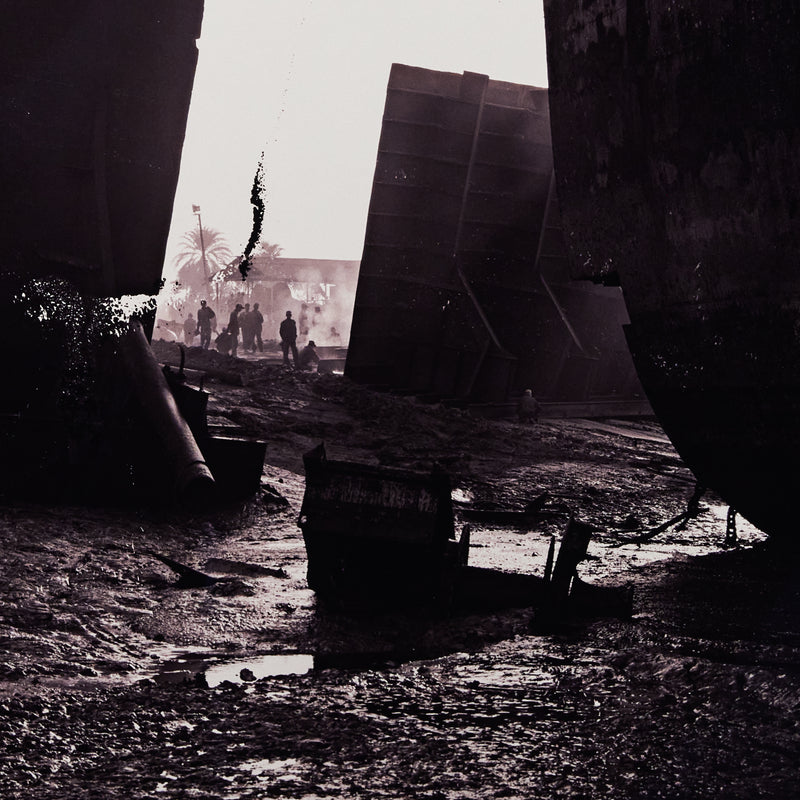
217,668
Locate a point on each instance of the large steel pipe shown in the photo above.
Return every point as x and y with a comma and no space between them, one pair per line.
193,478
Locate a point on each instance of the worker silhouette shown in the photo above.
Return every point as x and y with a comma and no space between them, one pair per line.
233,327
309,360
189,329
224,342
257,320
528,408
205,321
288,333
246,327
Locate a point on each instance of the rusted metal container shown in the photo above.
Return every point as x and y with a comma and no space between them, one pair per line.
381,539
377,537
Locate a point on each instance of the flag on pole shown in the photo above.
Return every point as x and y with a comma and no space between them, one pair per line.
195,209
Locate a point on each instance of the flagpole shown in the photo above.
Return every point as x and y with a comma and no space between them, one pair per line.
196,210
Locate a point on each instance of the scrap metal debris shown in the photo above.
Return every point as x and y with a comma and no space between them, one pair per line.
731,538
680,521
534,511
384,538
188,578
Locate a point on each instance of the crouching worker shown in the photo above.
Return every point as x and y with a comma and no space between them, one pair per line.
528,408
224,342
309,360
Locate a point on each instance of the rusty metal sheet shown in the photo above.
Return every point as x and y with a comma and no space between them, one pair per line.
462,225
95,97
376,535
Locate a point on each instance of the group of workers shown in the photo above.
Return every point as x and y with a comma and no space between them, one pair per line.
307,359
249,323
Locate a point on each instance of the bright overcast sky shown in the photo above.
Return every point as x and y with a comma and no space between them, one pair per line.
304,81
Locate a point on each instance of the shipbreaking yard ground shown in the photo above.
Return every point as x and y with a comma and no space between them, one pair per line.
113,681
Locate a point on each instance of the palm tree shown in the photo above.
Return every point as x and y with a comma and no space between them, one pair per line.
264,254
231,286
193,274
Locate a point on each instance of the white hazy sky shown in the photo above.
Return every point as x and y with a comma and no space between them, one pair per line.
304,81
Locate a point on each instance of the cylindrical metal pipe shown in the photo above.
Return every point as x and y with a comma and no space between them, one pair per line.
193,478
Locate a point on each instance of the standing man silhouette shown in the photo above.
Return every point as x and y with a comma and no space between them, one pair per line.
288,332
205,316
257,319
233,327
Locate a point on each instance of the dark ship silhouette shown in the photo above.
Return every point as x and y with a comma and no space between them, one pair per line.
677,156
95,97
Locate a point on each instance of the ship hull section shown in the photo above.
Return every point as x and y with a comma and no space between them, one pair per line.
677,155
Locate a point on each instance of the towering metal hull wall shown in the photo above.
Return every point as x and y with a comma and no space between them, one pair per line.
677,155
94,99
95,96
463,291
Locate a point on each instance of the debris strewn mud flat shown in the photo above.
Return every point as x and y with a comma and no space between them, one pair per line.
116,680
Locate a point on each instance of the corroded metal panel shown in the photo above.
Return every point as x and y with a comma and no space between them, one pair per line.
676,128
94,97
380,536
462,227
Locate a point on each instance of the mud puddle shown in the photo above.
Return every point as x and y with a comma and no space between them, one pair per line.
213,669
614,554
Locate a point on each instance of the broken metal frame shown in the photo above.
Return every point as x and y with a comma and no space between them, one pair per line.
379,538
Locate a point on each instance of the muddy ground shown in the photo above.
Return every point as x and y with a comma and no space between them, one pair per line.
116,683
